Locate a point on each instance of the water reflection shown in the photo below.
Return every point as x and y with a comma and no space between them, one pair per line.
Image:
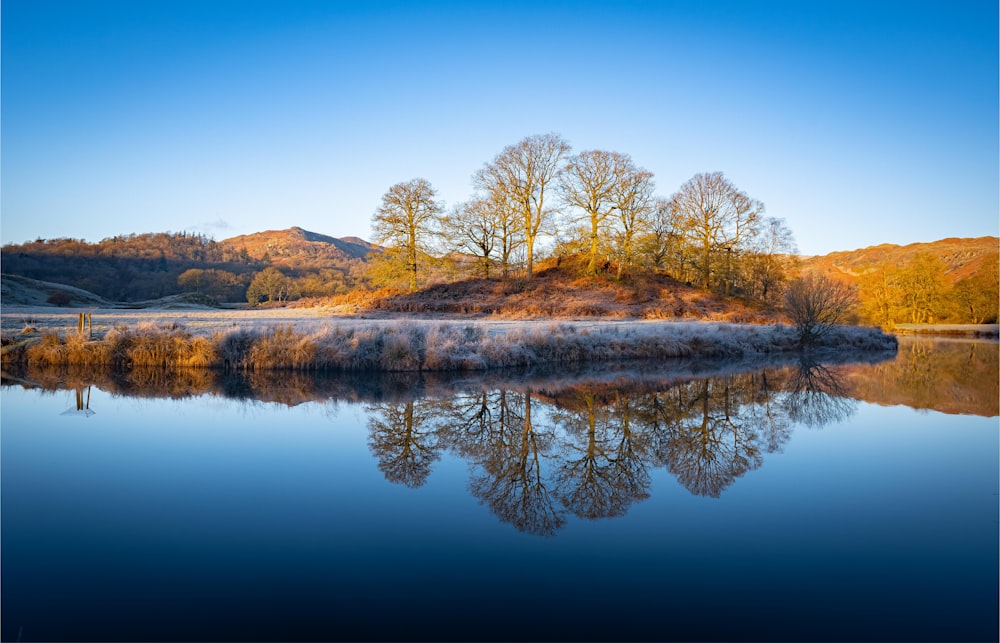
82,408
946,375
545,445
588,449
155,509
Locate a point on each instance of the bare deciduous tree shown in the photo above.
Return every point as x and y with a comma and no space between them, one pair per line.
633,196
589,185
716,218
772,255
523,175
406,219
816,304
472,227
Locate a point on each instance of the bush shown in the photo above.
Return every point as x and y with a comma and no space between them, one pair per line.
815,305
59,298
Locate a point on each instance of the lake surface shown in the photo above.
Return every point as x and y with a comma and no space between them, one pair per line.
681,501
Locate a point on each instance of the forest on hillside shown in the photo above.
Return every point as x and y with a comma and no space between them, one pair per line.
138,267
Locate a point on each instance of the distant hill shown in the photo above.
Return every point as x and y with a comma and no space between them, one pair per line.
138,267
295,245
24,291
962,257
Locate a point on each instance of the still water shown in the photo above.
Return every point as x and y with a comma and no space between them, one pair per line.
689,501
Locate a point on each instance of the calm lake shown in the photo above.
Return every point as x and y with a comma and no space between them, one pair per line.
780,500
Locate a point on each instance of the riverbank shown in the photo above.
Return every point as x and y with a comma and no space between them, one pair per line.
414,345
954,330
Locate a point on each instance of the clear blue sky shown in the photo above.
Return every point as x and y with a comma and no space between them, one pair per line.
857,122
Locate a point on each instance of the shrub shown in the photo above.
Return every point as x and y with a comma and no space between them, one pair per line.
59,298
815,305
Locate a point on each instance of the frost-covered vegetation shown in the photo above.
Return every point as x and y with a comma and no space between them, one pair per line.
418,346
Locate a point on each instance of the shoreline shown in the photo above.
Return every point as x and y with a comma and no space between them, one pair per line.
339,344
948,330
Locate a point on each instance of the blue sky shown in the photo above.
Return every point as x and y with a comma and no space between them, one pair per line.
859,123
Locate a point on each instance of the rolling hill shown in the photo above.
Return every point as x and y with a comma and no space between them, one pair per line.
961,257
295,246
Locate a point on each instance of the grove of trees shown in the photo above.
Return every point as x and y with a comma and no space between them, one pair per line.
918,293
597,205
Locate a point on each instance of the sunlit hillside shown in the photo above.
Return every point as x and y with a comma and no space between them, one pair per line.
961,257
296,246
558,291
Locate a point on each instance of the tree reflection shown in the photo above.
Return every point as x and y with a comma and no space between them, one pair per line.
767,413
707,444
404,442
512,483
550,446
603,470
817,396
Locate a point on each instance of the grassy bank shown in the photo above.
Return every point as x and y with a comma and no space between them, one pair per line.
406,346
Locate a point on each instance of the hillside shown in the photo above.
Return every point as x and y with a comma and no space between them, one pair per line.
138,267
295,246
561,293
25,291
962,258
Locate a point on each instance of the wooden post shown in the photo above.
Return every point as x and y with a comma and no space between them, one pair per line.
79,324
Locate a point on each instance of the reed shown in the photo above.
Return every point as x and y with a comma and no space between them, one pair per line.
418,347
158,345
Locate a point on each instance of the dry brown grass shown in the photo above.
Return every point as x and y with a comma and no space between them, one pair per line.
415,346
557,292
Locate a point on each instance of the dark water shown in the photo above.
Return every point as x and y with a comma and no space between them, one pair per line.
789,501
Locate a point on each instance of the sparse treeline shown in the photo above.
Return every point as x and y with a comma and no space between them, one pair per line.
918,292
601,209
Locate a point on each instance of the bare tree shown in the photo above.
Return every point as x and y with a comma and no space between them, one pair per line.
633,197
976,296
663,245
772,255
816,304
523,175
510,233
406,219
589,184
717,219
922,284
472,227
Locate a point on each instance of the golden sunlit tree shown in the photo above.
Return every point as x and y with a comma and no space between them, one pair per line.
406,221
524,175
878,295
588,186
772,256
976,298
634,206
921,287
